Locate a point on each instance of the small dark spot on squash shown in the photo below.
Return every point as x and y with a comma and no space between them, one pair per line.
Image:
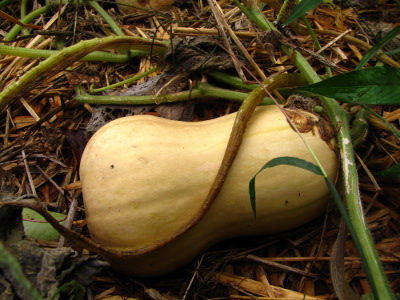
286,202
112,167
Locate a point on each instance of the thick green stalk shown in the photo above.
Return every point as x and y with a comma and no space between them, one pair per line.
361,235
23,6
114,26
231,80
26,20
4,3
94,56
202,90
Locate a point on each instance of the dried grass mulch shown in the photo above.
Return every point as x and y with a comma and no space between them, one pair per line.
44,132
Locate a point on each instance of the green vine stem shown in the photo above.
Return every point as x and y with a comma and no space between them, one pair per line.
231,80
94,56
283,11
26,20
202,90
110,21
361,236
66,57
4,3
24,4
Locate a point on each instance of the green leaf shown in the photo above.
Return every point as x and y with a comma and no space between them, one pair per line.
393,172
75,289
376,85
285,160
379,45
36,227
302,8
392,52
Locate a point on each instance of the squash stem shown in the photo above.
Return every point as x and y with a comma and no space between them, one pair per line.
361,236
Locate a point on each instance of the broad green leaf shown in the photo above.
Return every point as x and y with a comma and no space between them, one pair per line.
285,160
376,85
36,227
302,8
393,171
379,45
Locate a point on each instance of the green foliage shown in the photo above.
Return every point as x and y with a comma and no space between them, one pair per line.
75,290
303,7
36,227
379,45
375,85
393,172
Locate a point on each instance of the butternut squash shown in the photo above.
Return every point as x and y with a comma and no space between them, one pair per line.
143,177
131,6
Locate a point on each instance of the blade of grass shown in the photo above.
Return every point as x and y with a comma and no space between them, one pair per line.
373,51
286,160
392,52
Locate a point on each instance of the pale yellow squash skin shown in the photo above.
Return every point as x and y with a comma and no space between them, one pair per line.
143,177
131,6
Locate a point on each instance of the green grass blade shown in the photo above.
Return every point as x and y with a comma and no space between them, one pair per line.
302,8
392,52
393,172
379,45
286,160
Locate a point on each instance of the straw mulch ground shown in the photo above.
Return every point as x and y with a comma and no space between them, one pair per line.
44,132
